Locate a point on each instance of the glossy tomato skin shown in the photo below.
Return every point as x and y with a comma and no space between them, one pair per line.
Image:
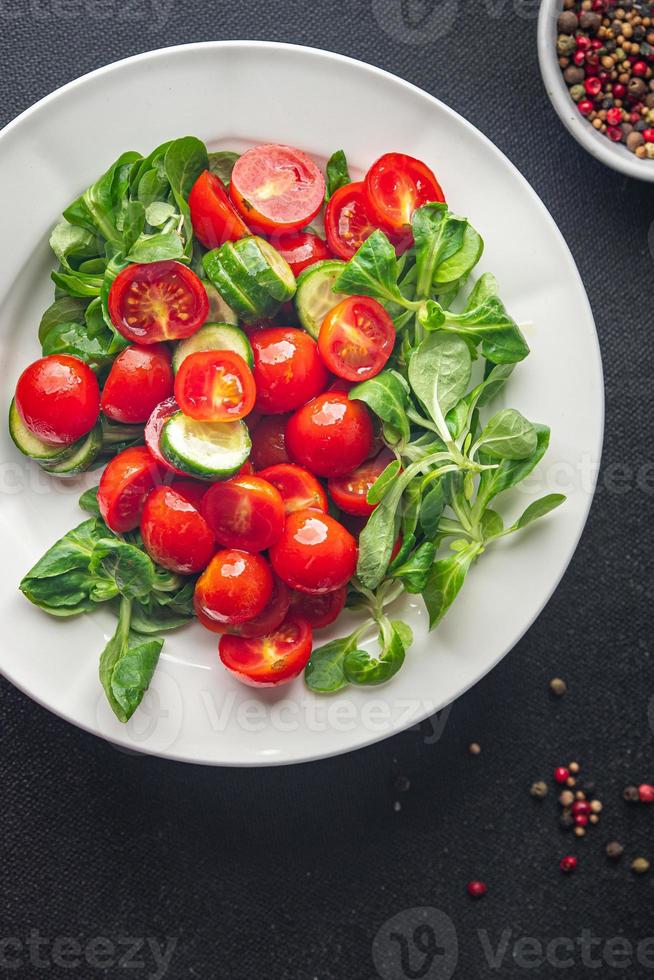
331,435
125,483
245,512
234,587
58,398
300,249
349,492
152,434
299,489
214,217
269,441
319,610
174,533
191,490
157,301
356,338
349,220
315,553
269,660
397,185
215,386
277,188
272,616
139,379
288,370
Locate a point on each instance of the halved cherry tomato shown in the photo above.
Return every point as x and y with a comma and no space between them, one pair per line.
215,386
234,587
152,433
315,553
349,492
58,398
215,220
269,660
157,301
174,533
127,480
288,370
139,379
356,338
331,435
273,615
247,469
349,220
396,186
277,188
300,249
268,445
299,489
191,490
244,512
319,610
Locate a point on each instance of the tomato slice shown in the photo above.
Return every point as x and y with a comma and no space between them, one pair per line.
174,533
268,442
396,185
300,249
277,188
299,489
266,622
349,220
127,480
140,378
268,660
244,512
349,492
152,433
356,338
234,588
58,398
215,220
315,553
157,301
319,610
288,370
215,386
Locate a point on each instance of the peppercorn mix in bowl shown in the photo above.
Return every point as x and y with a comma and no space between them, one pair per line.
597,61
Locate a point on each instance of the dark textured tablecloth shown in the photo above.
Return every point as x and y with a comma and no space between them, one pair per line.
290,874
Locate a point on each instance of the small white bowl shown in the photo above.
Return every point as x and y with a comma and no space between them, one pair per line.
615,155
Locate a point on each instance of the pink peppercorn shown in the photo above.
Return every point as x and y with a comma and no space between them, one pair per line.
646,791
580,807
648,135
614,117
614,133
568,863
593,86
583,43
476,889
561,774
639,69
579,58
619,91
581,820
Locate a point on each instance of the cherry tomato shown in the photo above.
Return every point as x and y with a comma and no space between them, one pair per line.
58,398
287,369
127,480
349,492
331,435
266,661
233,588
247,469
157,301
191,490
315,553
277,188
174,533
215,220
152,433
396,186
348,220
299,489
215,386
244,512
268,442
300,249
319,610
139,379
356,338
272,616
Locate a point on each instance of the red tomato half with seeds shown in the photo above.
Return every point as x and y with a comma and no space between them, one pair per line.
396,186
269,660
300,249
277,188
174,533
349,220
299,489
356,338
152,433
288,370
58,398
127,480
349,492
319,610
157,301
215,386
315,553
215,220
139,379
233,588
244,512
266,622
331,435
268,442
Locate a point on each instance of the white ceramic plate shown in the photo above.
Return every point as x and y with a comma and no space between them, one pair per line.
231,94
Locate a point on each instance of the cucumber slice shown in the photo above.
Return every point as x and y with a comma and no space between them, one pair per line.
29,444
208,450
219,311
79,457
214,336
314,297
251,276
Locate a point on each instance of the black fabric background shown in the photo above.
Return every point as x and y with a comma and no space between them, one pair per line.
288,874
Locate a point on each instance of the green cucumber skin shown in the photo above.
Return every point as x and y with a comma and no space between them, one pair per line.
221,280
239,344
196,470
79,457
251,252
317,269
27,443
246,280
